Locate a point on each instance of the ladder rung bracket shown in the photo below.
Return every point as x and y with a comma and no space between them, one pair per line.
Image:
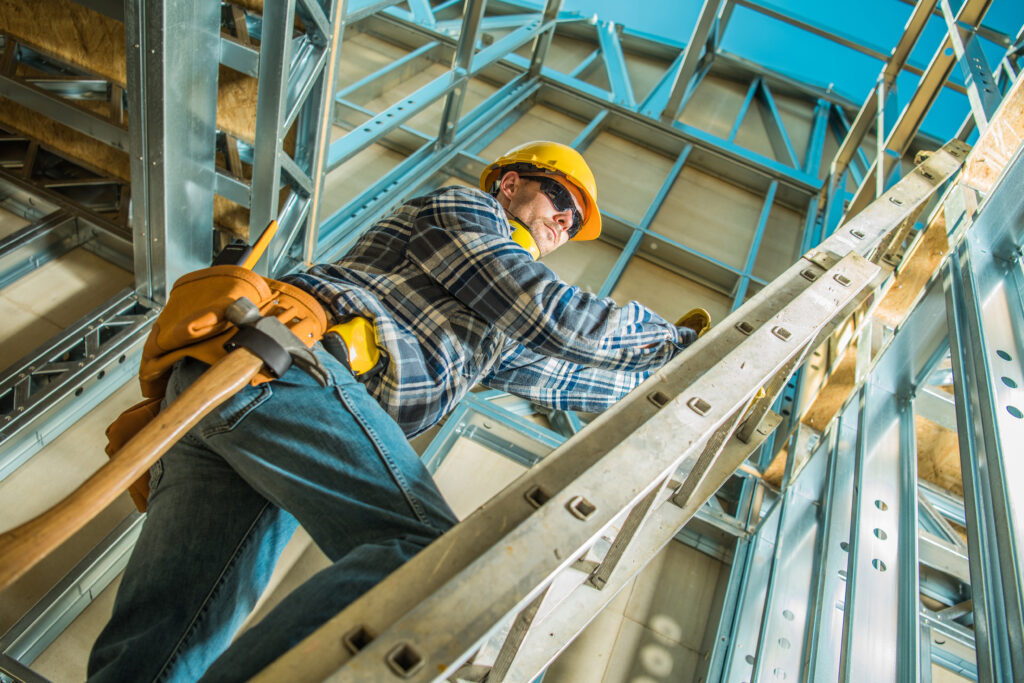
752,419
514,639
637,516
707,457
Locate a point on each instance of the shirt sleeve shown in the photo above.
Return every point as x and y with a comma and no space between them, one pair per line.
461,238
559,384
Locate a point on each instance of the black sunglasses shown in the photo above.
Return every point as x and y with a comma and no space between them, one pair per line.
561,199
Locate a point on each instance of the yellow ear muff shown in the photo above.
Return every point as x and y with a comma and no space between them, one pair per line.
522,237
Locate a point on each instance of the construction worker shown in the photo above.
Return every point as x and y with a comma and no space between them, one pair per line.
449,286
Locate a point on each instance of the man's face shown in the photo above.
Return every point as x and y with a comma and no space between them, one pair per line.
530,200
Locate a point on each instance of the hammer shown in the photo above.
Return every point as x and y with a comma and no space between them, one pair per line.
261,342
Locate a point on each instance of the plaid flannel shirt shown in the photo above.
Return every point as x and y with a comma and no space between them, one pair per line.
455,302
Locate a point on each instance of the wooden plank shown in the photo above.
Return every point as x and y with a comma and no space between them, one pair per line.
997,145
74,34
67,142
914,273
938,455
95,43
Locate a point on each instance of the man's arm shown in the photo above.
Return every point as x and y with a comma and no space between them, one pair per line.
461,240
559,384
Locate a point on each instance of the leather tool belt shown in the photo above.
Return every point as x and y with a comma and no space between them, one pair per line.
193,325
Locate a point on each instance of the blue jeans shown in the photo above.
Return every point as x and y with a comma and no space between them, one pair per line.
224,502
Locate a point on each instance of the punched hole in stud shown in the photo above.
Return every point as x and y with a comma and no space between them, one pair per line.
880,534
404,660
356,639
787,615
1009,382
1015,411
1004,355
881,505
845,546
878,564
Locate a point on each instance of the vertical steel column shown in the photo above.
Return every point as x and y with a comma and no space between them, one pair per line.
887,106
909,577
322,118
755,246
694,49
825,622
985,308
473,11
542,43
173,49
271,107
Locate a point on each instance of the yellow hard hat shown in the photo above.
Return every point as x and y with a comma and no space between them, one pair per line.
557,158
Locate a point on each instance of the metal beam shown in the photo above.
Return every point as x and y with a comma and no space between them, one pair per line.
682,80
173,52
615,64
39,100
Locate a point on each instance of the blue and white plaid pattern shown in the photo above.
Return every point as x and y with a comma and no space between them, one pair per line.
456,302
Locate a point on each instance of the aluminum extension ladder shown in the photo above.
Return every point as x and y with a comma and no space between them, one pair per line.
503,592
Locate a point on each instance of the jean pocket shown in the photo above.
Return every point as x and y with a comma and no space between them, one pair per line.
156,473
230,413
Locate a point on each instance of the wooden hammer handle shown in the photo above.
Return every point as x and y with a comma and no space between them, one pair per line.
25,545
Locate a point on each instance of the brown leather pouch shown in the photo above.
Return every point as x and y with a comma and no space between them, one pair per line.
192,324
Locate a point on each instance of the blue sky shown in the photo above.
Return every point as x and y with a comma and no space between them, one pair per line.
815,60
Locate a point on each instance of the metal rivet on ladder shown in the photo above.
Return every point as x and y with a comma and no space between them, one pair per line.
858,234
809,274
842,279
580,507
745,327
536,496
658,398
356,639
404,660
699,405
782,333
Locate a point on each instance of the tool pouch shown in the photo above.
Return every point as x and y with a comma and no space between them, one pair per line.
192,324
